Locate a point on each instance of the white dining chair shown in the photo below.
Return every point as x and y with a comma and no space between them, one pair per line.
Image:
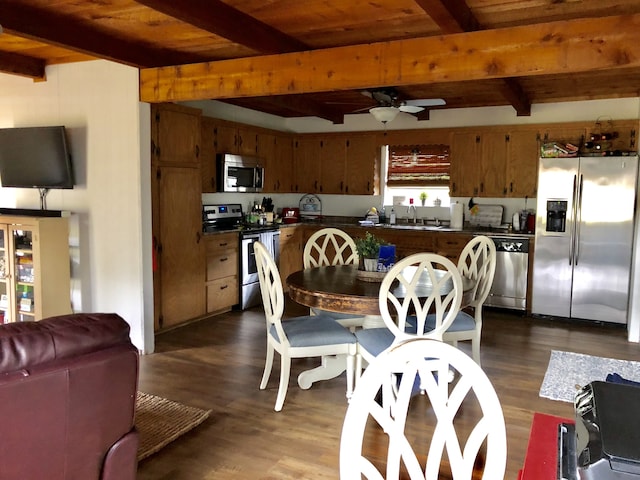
419,286
332,246
299,337
478,263
455,430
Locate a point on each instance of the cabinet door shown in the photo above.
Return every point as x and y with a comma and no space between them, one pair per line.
290,252
177,134
247,141
363,166
181,266
208,155
493,165
281,171
333,155
307,165
226,139
465,154
266,148
522,164
24,273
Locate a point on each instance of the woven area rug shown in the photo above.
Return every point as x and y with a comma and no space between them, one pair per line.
568,372
160,421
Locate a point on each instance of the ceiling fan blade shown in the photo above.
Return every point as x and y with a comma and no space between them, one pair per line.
410,108
425,102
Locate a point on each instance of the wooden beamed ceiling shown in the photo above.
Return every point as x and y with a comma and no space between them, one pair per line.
273,58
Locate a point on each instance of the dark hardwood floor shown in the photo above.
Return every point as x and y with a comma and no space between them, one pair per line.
217,364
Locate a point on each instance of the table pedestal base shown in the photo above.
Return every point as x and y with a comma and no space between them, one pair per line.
332,366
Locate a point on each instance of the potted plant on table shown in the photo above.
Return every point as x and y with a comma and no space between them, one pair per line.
423,197
368,249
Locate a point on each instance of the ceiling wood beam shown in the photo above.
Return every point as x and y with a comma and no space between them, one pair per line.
563,47
455,16
305,107
452,16
48,27
23,65
219,18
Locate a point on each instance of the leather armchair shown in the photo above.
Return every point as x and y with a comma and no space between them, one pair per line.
67,399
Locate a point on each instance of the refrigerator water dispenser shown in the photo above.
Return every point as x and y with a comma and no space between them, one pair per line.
556,215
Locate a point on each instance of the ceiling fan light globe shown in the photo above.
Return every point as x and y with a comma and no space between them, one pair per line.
384,114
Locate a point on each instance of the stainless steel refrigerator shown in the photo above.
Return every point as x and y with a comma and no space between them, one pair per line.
584,237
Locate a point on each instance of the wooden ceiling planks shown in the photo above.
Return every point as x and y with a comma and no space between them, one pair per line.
129,32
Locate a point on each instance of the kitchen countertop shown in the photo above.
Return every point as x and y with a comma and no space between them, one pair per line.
338,222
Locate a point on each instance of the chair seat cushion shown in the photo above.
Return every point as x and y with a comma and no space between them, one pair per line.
375,340
313,331
461,323
334,315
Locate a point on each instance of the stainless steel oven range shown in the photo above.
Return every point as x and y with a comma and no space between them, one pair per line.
228,217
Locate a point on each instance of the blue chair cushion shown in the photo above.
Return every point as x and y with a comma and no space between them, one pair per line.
334,315
314,331
375,340
461,323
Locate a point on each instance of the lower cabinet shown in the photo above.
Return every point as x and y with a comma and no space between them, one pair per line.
222,271
291,247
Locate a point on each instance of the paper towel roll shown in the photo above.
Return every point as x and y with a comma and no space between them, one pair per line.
457,212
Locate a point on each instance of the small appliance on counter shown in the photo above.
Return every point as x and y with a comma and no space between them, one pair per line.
290,215
310,207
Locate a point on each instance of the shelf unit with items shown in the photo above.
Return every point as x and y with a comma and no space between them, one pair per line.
35,279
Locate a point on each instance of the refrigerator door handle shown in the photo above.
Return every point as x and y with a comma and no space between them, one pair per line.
578,222
572,232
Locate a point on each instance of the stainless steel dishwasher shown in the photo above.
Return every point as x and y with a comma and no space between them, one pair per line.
509,289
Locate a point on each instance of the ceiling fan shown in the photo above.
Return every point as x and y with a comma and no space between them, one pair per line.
389,104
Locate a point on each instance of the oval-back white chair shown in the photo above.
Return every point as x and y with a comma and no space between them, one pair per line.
408,421
332,246
478,263
300,337
421,288
329,241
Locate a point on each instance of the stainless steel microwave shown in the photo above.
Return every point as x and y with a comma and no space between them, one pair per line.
237,173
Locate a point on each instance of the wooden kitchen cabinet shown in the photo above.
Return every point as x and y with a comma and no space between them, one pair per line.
35,279
363,165
491,179
281,166
522,164
450,245
176,187
307,164
464,155
333,155
208,155
232,138
291,246
221,253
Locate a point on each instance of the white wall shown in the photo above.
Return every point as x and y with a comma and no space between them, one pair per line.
108,130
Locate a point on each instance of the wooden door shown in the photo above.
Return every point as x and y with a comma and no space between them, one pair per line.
465,154
281,171
177,136
208,155
181,266
307,164
362,165
493,165
333,169
522,164
226,139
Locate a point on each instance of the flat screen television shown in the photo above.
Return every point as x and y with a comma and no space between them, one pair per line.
35,157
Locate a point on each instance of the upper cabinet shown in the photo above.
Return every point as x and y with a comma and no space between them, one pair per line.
241,140
494,163
176,136
337,164
208,154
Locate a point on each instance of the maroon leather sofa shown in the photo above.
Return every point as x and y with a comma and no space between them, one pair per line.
67,399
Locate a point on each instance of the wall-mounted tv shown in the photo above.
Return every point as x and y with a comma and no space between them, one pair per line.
35,157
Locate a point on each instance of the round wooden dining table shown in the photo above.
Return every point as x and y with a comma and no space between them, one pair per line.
339,289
